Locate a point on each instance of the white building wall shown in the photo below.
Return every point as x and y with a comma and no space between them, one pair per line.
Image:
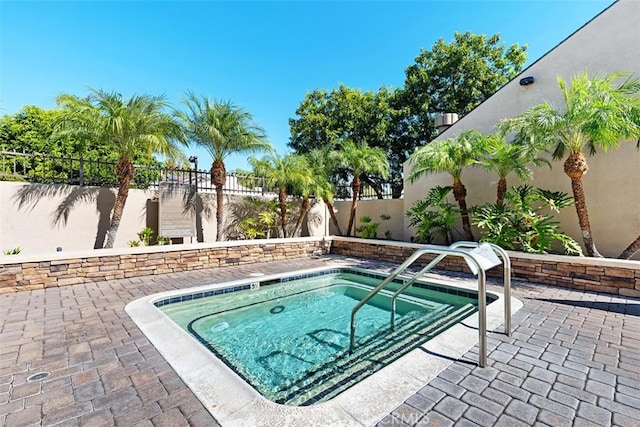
40,218
609,43
372,208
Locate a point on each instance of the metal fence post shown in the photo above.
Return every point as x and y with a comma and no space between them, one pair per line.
81,176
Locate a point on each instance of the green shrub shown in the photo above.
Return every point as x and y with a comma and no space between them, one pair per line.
369,229
521,223
162,240
145,236
434,217
14,251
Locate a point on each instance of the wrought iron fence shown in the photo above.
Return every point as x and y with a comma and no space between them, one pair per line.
385,190
45,169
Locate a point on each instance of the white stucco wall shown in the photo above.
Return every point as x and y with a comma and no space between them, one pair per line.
609,43
34,229
373,208
33,226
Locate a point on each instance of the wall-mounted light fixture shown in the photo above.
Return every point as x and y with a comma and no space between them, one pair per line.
527,81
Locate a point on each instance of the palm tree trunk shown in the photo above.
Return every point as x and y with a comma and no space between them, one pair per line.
332,214
631,250
282,197
219,212
575,167
460,194
125,171
355,186
501,191
303,212
218,179
583,218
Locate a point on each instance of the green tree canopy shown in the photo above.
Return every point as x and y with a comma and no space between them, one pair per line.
324,119
31,130
455,77
451,77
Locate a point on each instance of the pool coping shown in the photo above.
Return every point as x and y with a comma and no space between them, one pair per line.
234,402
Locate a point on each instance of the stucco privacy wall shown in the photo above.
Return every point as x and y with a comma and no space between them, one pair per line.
372,208
36,272
618,277
609,43
40,218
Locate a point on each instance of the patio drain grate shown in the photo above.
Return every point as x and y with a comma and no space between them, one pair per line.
38,376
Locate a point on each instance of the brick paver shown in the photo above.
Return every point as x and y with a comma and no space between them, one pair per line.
573,359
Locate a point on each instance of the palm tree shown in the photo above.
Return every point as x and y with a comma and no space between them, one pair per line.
596,113
128,127
631,250
504,157
450,156
323,164
360,159
222,129
289,172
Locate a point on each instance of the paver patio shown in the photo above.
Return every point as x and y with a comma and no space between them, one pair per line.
573,359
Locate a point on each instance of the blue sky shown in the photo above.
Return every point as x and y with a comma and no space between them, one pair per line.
264,56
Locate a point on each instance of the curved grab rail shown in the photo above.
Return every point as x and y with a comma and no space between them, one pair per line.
465,244
433,249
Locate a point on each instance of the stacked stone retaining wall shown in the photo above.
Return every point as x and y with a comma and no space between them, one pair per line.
102,265
590,274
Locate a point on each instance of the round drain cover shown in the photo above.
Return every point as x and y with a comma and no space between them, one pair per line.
219,327
38,376
277,309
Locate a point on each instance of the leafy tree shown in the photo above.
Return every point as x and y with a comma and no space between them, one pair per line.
450,156
522,224
360,159
327,118
285,173
128,127
504,158
597,112
452,77
457,76
29,131
222,129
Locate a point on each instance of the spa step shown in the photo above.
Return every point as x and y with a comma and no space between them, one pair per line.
371,355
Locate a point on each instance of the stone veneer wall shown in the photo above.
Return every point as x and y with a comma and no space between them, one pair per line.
21,273
590,274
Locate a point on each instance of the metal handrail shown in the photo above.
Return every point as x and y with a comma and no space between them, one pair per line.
433,249
506,280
